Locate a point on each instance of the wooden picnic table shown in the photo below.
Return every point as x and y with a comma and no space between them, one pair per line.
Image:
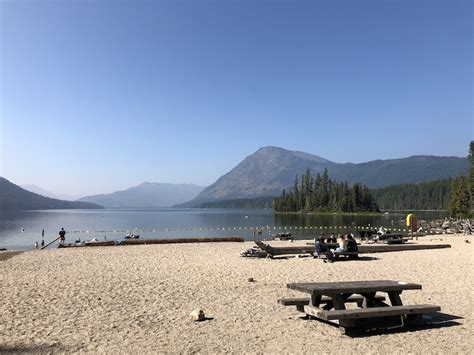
328,303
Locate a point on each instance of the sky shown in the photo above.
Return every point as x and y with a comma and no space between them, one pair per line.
97,96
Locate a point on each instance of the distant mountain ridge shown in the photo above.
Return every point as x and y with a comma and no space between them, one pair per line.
147,194
13,197
271,169
40,191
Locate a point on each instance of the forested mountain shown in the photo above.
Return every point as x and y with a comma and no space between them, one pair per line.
13,197
148,194
271,169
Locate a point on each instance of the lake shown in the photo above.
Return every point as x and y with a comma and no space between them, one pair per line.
20,230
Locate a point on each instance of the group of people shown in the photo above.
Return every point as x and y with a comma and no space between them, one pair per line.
346,243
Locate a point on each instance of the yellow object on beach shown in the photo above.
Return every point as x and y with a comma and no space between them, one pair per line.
410,219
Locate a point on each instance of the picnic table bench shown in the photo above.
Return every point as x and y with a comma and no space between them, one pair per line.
328,303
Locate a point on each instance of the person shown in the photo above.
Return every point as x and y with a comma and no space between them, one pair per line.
62,236
42,238
351,244
259,233
342,248
321,247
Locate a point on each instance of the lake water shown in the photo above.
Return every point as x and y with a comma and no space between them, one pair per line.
20,230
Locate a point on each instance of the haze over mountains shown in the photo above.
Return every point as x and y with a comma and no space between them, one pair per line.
40,191
271,169
148,194
13,197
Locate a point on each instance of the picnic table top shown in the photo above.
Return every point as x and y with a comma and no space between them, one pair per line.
331,288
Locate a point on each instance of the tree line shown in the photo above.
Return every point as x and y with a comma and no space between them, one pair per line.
321,194
257,202
433,195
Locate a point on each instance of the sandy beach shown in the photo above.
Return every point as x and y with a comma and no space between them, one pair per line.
138,299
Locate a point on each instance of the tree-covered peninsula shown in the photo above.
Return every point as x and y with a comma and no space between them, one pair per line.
321,194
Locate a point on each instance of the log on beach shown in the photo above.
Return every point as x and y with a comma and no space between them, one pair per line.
377,248
155,241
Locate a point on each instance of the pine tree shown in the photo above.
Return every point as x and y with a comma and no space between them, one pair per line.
471,173
459,203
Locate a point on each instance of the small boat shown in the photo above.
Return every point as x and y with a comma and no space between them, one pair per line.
132,236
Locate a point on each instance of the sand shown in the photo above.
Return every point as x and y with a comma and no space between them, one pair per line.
138,299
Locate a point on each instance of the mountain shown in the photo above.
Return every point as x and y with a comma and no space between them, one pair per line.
148,194
271,169
13,197
38,190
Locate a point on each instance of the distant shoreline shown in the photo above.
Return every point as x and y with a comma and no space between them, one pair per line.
332,213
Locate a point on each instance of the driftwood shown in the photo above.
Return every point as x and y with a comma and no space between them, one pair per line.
272,251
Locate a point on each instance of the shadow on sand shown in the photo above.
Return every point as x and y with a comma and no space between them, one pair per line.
287,257
5,255
430,321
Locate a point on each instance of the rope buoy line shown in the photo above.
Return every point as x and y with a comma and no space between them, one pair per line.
246,228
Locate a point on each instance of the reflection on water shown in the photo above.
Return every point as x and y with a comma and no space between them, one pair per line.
20,230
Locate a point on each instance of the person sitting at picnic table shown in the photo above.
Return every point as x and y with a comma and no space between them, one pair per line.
321,247
342,244
351,244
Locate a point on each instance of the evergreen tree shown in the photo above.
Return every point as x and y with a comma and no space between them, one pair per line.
471,173
459,204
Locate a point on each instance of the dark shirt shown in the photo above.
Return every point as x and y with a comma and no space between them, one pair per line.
62,234
352,246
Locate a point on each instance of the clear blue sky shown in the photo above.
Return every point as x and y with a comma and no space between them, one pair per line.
102,95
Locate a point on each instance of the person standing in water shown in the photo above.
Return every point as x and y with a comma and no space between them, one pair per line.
42,238
62,236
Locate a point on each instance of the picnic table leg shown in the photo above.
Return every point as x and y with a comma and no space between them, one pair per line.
315,300
371,301
330,304
395,300
338,301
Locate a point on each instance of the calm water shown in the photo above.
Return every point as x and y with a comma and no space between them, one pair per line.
20,230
